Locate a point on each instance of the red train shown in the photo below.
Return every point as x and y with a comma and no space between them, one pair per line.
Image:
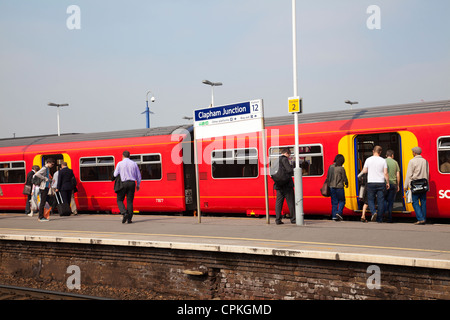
230,168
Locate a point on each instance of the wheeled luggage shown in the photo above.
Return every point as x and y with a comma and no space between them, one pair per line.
63,207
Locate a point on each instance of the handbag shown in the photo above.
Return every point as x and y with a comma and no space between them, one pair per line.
51,191
419,186
325,190
26,190
408,196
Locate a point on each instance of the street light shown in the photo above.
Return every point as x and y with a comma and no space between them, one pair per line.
351,103
147,111
212,84
51,104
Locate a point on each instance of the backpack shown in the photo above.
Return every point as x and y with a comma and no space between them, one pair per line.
278,173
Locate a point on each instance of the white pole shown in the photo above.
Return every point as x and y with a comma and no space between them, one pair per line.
298,185
197,179
264,148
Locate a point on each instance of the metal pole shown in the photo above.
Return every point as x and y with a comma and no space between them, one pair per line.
266,184
57,118
212,96
197,179
147,113
298,185
147,110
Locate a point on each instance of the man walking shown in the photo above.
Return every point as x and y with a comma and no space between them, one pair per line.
46,180
418,168
285,189
65,184
377,182
394,182
130,175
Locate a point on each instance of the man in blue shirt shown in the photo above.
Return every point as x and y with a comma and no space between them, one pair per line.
130,175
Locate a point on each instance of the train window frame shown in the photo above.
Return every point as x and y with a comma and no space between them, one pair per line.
142,155
96,164
234,158
444,149
11,168
291,147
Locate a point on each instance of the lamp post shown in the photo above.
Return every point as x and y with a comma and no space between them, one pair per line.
298,184
351,103
212,84
51,104
147,110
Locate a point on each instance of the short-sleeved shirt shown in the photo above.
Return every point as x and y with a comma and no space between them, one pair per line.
376,166
393,168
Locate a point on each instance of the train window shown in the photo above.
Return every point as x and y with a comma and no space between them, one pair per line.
150,165
311,158
96,168
236,163
444,154
12,172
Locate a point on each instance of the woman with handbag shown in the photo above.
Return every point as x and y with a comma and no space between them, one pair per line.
417,177
337,182
28,188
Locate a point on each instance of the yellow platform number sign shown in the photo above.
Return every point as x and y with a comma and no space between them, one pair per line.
295,105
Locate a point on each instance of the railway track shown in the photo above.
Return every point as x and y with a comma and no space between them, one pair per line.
20,293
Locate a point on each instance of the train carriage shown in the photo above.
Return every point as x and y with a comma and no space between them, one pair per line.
93,158
231,171
232,181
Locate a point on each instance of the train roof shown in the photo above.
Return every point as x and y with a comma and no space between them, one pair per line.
76,137
374,112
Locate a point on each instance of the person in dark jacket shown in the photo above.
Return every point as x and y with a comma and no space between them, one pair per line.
29,182
65,185
285,191
338,180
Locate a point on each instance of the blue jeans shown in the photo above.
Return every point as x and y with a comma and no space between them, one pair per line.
420,209
378,190
337,201
389,201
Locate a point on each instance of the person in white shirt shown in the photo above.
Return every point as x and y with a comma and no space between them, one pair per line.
377,182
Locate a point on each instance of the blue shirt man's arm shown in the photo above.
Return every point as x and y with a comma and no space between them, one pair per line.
138,176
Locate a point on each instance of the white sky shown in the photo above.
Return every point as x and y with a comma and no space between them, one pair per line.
126,48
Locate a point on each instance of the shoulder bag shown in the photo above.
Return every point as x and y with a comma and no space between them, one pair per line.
26,190
419,186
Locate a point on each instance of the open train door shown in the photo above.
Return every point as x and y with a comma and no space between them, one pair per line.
59,158
356,148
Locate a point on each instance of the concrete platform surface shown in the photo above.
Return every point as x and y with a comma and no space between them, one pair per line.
397,244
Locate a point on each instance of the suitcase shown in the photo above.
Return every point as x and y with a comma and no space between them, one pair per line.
63,208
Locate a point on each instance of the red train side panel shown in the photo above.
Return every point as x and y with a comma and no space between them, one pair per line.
322,136
93,161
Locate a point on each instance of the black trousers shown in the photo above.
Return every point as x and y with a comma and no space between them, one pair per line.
44,199
288,194
27,205
129,187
